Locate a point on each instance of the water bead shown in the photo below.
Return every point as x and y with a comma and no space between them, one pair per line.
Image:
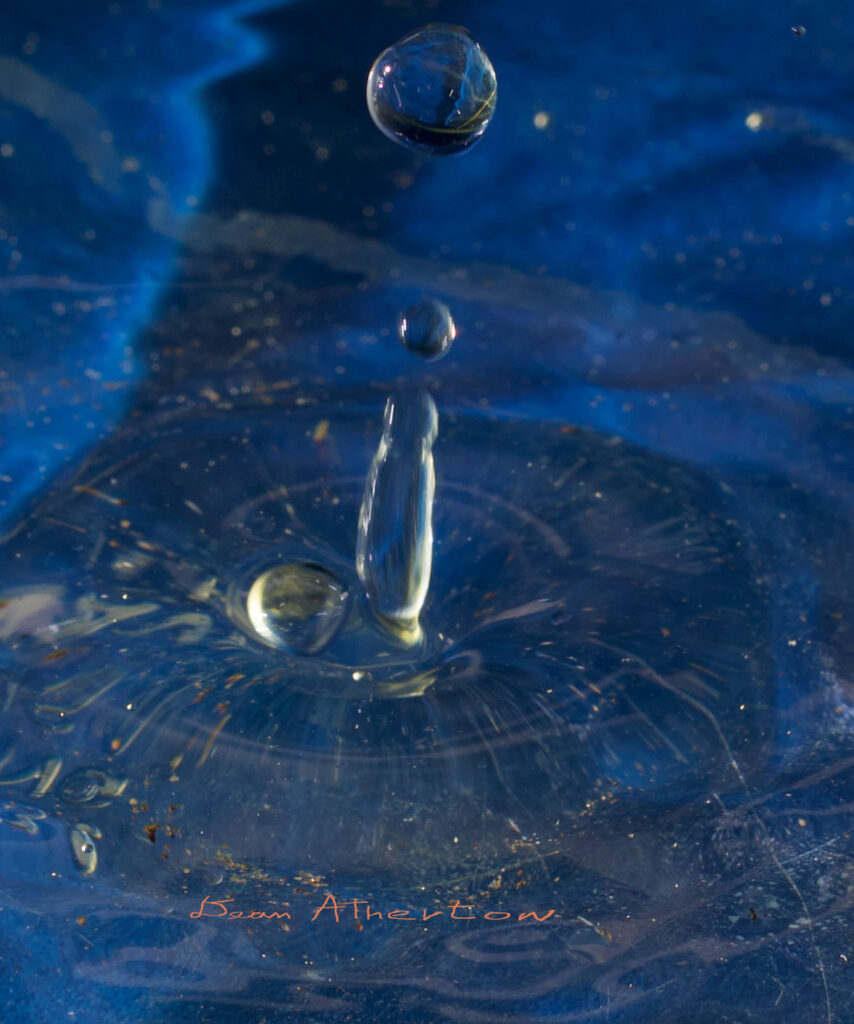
799,30
427,328
433,91
298,607
83,848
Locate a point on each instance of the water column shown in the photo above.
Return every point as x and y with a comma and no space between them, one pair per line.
394,548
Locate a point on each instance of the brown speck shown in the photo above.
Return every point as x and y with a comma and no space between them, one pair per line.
115,744
150,831
753,915
81,921
54,655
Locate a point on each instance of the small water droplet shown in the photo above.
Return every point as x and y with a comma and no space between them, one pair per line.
433,91
297,606
427,328
83,848
799,30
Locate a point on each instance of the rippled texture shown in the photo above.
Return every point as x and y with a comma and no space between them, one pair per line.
434,90
82,164
632,702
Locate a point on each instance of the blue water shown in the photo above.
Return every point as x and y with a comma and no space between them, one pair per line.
631,705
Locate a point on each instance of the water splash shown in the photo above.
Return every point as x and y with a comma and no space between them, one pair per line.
394,550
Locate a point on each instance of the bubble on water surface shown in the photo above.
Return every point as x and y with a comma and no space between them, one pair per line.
427,328
299,607
434,90
85,853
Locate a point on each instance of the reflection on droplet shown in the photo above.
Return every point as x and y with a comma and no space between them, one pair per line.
82,839
427,328
91,786
434,90
799,30
18,816
298,607
394,548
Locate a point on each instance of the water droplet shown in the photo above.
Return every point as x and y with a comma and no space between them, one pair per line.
799,30
433,91
82,839
427,328
298,606
394,548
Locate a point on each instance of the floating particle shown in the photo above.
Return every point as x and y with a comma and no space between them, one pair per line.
427,328
433,91
298,607
799,30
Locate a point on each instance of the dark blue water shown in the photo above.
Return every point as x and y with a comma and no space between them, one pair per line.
631,702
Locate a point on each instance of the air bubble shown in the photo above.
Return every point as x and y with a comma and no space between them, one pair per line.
433,91
298,607
427,328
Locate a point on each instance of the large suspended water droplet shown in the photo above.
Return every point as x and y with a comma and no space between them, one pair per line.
394,549
434,90
427,328
298,607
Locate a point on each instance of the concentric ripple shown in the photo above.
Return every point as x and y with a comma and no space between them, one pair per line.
592,635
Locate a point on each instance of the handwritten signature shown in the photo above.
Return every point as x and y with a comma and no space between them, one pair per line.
361,910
